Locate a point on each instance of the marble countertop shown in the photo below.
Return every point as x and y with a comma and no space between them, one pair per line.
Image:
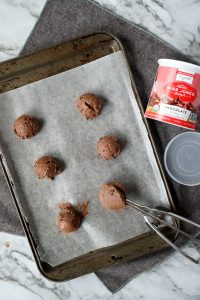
176,278
176,22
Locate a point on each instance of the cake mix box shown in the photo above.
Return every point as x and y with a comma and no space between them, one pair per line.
175,96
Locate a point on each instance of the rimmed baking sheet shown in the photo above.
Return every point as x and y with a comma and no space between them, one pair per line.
72,139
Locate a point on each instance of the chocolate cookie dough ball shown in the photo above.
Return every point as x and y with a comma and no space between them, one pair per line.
112,196
69,218
89,105
47,167
108,147
26,126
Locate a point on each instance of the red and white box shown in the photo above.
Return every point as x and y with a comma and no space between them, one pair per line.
175,96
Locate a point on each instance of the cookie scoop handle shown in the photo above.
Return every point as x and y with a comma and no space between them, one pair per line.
155,218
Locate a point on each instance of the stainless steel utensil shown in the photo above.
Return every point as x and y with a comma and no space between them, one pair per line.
159,216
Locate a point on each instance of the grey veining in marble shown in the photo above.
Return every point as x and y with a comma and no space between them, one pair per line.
17,18
176,22
175,279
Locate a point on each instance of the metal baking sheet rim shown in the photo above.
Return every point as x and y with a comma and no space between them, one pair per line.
59,273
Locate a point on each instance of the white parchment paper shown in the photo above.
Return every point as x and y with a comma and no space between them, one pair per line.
69,137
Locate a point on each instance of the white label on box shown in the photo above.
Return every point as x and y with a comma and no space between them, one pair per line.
174,111
184,76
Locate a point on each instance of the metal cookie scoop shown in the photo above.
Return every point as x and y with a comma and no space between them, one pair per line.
112,196
159,216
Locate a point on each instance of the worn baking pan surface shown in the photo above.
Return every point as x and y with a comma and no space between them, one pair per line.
73,139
